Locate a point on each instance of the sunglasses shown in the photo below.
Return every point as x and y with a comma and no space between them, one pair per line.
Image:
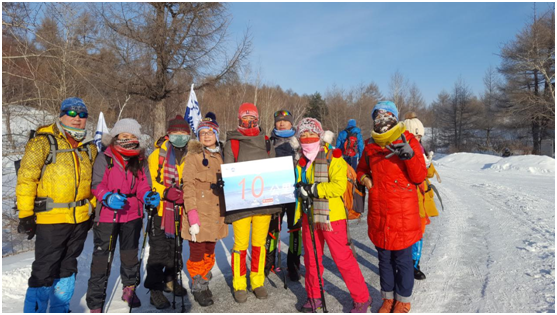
282,113
73,113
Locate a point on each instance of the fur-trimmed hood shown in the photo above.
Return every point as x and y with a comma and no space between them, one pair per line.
196,147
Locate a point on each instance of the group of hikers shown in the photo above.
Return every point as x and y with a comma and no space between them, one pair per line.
66,187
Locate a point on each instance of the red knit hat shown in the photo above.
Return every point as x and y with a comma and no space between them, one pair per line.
178,124
248,109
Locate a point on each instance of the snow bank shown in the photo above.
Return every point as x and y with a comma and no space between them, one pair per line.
533,164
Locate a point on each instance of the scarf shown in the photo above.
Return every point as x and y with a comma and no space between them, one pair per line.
249,132
215,150
127,147
321,220
284,133
76,133
171,177
311,150
388,137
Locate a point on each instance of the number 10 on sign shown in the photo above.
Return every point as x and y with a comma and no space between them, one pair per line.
253,187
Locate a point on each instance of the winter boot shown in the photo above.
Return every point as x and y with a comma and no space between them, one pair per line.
361,307
202,298
200,291
401,307
36,300
261,293
180,290
311,305
241,296
418,274
387,306
129,296
159,300
61,295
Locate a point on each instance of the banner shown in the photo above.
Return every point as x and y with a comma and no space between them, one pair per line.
101,128
193,114
259,183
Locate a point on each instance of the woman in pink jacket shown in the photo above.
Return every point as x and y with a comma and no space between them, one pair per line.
121,183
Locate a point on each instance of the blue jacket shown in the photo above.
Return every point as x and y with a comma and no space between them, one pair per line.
344,134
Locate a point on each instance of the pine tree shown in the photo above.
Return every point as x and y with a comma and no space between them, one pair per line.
316,107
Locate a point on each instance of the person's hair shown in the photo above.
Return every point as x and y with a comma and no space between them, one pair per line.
135,163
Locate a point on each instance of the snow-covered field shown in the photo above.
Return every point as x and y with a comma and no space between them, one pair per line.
491,250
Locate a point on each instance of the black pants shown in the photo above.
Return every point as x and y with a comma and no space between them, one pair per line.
128,235
293,258
160,265
57,247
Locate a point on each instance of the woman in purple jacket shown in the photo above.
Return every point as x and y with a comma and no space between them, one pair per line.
122,184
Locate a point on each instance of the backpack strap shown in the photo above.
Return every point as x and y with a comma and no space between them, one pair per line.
162,157
109,161
235,146
53,150
268,145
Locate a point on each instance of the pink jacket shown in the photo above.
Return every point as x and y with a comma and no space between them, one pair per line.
114,179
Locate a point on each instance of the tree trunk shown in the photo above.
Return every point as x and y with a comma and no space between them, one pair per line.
159,128
8,115
536,136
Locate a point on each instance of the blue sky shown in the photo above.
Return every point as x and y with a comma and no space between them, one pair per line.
308,47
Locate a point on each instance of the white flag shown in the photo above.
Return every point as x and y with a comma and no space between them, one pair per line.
101,128
193,114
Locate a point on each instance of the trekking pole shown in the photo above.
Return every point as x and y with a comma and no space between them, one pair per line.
110,257
306,209
177,250
145,232
279,251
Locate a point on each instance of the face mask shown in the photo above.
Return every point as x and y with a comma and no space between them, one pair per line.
310,150
76,133
179,141
383,123
285,133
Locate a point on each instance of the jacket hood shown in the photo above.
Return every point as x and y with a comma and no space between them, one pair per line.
194,147
351,123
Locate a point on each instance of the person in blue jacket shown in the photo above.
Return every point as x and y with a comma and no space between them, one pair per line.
351,143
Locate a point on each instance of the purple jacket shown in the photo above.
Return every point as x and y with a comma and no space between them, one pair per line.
110,180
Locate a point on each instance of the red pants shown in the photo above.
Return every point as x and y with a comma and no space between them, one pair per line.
342,255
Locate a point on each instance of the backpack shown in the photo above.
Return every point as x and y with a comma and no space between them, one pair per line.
235,146
354,196
350,147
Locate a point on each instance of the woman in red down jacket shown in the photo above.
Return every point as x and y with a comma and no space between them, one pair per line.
391,167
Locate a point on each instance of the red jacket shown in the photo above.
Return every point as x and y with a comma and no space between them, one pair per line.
393,217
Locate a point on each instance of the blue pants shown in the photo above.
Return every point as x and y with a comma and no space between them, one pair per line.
396,273
352,161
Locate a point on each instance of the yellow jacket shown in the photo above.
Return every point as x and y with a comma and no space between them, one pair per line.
154,166
426,195
333,190
65,181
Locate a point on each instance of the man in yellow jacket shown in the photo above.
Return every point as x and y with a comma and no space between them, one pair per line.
166,165
54,201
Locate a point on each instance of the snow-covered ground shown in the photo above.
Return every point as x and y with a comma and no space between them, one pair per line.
492,249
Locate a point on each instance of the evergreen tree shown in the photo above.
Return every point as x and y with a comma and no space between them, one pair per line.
316,107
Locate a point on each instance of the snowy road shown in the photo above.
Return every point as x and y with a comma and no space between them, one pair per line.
491,250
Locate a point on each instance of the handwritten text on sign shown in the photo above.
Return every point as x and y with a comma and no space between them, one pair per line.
258,183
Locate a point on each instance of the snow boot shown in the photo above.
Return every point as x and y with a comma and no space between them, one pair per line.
202,298
387,306
159,300
261,293
418,274
129,296
241,296
401,307
180,290
312,305
200,291
61,295
361,307
36,300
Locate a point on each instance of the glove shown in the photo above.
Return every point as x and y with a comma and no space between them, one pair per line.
194,230
309,190
28,226
403,150
114,201
174,194
152,199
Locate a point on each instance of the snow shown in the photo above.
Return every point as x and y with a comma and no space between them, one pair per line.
492,249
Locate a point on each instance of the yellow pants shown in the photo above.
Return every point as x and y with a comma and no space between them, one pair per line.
259,229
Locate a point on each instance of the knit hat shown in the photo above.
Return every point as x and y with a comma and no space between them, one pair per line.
248,109
128,125
178,124
311,125
73,103
351,123
414,126
284,115
385,105
209,122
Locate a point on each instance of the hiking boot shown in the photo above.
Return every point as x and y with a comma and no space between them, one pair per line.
129,296
418,274
261,293
401,307
387,306
202,298
180,290
311,306
159,300
241,296
361,307
97,310
209,293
